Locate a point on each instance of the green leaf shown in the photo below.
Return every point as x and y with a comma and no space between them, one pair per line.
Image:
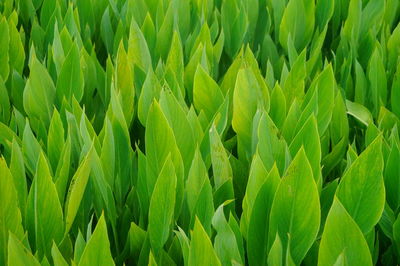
396,233
360,84
201,251
184,242
259,221
4,103
222,169
337,247
4,44
175,61
17,170
97,250
123,149
152,261
323,12
207,95
225,242
136,239
106,30
359,112
257,177
272,147
233,223
393,48
79,247
320,100
391,177
138,52
296,211
44,217
151,90
16,49
30,148
124,83
199,193
339,127
362,190
176,116
77,189
378,81
55,139
278,106
298,23
63,168
308,138
18,254
58,258
235,23
162,204
158,149
293,85
372,15
165,32
70,81
10,215
275,256
317,43
326,199
247,97
351,29
39,93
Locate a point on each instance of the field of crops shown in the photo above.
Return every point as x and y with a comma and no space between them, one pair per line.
199,132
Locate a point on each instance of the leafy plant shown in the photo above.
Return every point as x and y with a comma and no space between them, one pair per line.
187,132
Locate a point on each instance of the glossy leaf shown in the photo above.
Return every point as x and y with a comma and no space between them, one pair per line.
362,190
97,249
336,247
44,217
10,216
295,210
201,251
162,204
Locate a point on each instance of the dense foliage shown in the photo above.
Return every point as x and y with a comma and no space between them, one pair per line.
199,132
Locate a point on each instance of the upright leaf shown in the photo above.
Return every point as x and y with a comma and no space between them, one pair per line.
342,241
201,251
247,96
138,51
70,80
222,169
176,116
39,93
298,23
207,95
159,148
97,250
199,193
162,204
362,190
259,221
124,83
18,254
17,170
151,90
225,242
10,215
55,139
4,44
77,189
44,217
308,138
296,210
